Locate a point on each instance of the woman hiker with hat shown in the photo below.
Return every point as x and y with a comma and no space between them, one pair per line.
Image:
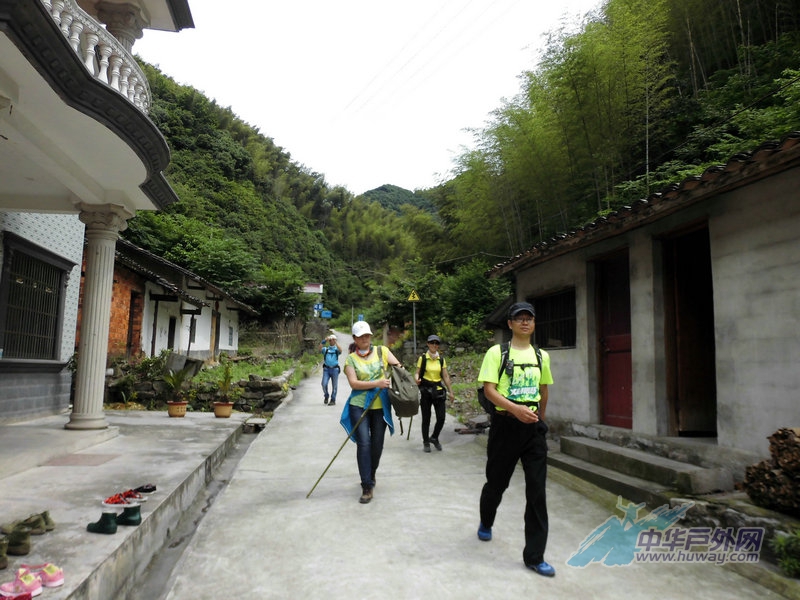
366,368
434,384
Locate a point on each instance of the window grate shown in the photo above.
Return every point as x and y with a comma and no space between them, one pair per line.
555,320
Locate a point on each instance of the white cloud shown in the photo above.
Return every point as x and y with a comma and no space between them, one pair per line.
365,92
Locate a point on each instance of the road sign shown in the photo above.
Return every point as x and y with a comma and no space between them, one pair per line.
326,314
318,306
413,297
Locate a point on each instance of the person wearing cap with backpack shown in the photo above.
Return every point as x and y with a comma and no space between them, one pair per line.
367,371
518,388
434,384
331,350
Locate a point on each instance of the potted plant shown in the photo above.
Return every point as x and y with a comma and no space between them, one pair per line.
223,407
176,382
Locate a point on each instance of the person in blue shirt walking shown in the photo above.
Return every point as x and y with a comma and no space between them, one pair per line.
331,350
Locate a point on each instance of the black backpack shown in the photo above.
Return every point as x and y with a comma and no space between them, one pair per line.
425,362
487,404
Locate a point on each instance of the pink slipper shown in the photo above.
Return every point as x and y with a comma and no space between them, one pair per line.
49,574
25,582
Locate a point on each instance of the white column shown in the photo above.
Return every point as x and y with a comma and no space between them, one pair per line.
103,224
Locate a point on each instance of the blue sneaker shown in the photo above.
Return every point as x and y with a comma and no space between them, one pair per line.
542,568
484,533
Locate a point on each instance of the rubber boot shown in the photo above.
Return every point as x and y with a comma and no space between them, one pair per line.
106,524
131,515
19,541
3,549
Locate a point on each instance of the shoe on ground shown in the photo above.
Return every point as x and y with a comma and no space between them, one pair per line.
332,403
325,401
484,533
49,524
366,495
426,447
106,524
130,515
542,568
49,574
25,582
147,488
436,444
34,523
19,541
3,549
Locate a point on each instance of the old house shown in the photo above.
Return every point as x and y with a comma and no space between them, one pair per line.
158,305
677,317
79,156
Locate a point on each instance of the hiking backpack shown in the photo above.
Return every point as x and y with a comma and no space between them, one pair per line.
487,404
403,393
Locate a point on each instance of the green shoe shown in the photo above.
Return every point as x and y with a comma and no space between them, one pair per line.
49,524
130,515
3,550
106,524
35,523
19,541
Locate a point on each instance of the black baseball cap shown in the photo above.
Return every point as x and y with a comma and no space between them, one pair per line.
519,307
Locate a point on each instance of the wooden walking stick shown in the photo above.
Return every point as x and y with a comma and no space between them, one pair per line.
361,418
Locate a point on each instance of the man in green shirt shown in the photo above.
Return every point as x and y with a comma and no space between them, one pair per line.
518,432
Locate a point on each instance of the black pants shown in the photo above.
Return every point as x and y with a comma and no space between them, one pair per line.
431,396
510,441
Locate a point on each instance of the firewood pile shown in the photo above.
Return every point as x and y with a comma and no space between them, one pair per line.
775,483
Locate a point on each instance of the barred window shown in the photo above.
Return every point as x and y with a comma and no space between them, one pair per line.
555,319
31,300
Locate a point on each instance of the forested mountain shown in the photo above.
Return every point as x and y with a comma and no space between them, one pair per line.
642,94
394,197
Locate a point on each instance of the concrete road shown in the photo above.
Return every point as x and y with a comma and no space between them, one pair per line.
417,539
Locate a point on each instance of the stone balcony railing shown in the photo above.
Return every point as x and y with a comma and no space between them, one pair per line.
102,54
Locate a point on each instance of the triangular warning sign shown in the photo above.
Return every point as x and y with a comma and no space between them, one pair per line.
413,297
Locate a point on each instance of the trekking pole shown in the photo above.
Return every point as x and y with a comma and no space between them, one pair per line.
408,435
361,418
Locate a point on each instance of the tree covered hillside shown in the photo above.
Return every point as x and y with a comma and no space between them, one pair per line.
640,95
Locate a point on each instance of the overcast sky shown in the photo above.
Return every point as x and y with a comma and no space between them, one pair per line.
365,92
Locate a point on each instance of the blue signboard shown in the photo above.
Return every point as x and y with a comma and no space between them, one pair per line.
318,306
326,314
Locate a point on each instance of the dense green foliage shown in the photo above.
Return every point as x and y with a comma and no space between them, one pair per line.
640,95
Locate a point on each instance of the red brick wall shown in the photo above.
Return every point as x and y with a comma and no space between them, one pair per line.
125,282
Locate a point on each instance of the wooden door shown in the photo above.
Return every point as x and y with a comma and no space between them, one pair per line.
614,320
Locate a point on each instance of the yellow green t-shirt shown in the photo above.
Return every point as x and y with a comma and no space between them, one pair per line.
367,368
523,386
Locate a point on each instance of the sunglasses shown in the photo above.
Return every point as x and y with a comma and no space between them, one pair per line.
434,343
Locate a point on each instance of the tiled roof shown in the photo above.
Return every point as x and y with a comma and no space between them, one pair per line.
129,251
741,169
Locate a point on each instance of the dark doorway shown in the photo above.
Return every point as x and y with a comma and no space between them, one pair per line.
173,326
614,320
689,334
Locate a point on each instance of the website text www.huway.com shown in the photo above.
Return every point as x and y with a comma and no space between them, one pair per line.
700,545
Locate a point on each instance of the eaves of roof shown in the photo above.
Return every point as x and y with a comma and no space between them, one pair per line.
155,278
741,170
126,248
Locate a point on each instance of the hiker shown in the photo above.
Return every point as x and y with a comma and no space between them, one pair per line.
367,371
434,386
518,432
331,350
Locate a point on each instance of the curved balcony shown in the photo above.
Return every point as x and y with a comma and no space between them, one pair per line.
100,52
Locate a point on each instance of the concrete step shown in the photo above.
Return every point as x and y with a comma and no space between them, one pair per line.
682,477
631,488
